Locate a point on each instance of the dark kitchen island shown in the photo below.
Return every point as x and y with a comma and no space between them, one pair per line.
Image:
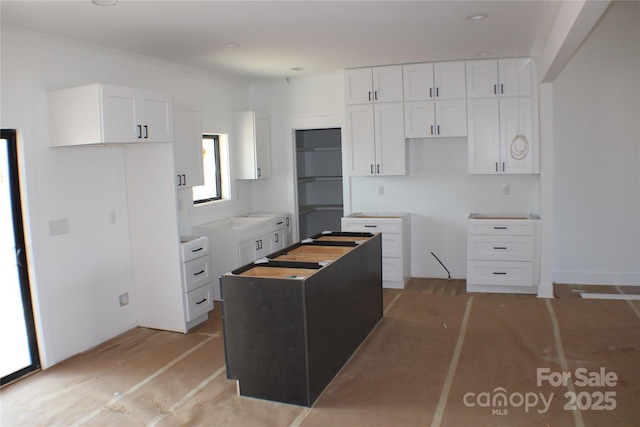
293,319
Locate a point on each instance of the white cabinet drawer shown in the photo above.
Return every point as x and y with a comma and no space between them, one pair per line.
194,248
372,225
505,248
392,269
199,301
196,273
506,273
391,245
498,227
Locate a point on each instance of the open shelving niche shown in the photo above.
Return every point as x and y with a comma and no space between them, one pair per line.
319,178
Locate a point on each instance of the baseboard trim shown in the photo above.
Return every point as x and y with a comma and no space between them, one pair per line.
596,278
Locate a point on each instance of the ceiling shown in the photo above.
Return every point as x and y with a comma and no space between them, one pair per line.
275,37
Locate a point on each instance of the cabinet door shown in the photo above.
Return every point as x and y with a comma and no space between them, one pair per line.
451,118
263,150
156,116
251,134
247,252
515,76
120,114
361,148
482,78
516,134
419,119
276,241
187,146
387,83
449,80
483,135
418,82
358,84
390,144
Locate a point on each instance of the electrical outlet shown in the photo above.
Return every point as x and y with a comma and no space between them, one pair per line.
380,190
506,189
124,299
58,226
113,216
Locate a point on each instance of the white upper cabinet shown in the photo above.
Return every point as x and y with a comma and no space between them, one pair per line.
377,84
432,81
104,114
502,120
501,136
187,146
427,119
251,129
376,139
434,97
375,121
503,77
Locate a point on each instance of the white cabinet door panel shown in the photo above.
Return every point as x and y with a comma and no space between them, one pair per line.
451,118
483,135
449,80
390,144
387,83
419,119
358,85
516,135
360,131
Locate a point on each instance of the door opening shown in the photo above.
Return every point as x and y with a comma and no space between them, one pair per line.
319,180
20,352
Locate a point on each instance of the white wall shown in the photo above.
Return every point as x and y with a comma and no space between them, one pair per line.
77,277
437,191
597,155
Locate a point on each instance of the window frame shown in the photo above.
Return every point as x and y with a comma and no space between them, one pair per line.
218,175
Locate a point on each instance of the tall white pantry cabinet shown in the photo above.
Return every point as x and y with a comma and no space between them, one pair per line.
141,123
502,117
375,121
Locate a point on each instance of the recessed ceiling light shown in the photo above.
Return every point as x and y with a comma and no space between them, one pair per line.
477,17
484,53
231,45
297,69
104,2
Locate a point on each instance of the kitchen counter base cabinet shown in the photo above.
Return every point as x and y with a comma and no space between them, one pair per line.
396,242
501,253
289,326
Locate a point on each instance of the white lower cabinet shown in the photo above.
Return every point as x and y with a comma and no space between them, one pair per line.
196,279
501,253
396,243
238,241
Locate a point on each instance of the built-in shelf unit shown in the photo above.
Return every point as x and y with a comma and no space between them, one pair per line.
319,178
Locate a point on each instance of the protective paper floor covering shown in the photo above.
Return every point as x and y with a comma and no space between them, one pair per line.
508,370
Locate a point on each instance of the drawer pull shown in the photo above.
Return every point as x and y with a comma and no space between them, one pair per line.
500,228
196,250
500,273
500,247
371,226
198,273
200,302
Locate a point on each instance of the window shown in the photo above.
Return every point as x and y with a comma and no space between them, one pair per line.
212,188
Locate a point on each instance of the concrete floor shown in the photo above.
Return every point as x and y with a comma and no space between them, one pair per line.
439,357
